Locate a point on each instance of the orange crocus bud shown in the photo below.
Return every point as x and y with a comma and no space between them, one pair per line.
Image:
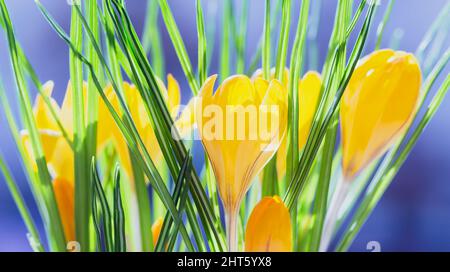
269,227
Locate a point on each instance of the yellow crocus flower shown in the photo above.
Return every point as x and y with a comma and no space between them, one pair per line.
269,227
235,147
377,106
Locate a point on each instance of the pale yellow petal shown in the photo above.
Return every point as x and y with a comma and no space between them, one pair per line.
309,94
42,114
174,96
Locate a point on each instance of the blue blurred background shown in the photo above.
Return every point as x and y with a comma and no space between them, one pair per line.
413,215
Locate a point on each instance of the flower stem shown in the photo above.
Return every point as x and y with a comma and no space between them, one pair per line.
231,227
342,188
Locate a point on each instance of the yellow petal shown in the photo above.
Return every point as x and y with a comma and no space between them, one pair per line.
377,106
173,93
285,77
156,230
49,139
67,107
187,120
42,114
269,227
62,161
236,90
308,94
64,194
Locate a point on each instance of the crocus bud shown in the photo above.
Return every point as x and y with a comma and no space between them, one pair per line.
241,127
269,227
377,106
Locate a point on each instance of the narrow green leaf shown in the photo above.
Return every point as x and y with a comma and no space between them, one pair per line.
152,40
254,62
21,206
283,39
167,224
224,68
382,25
202,50
180,48
119,215
241,38
266,42
105,212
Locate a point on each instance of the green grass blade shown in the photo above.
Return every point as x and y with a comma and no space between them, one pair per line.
211,14
202,49
241,38
22,207
297,58
382,25
119,215
105,212
82,212
179,45
151,39
266,42
224,68
313,52
32,177
440,20
164,237
283,39
254,62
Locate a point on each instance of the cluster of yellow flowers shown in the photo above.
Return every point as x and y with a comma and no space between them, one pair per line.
375,110
59,154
